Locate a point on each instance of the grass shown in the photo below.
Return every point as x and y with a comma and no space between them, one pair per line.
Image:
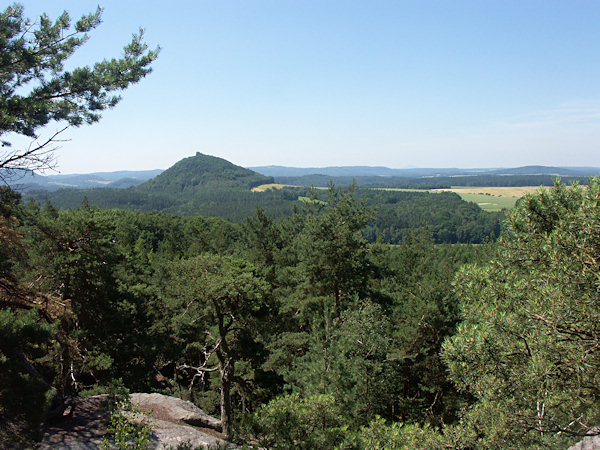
489,202
491,198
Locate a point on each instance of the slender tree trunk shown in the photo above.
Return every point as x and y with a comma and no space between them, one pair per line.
227,373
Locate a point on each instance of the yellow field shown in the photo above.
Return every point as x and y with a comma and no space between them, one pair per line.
266,187
515,192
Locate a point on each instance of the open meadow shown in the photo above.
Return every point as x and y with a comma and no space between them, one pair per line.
491,198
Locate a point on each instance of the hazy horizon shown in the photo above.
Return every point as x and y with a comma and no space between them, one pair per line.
49,173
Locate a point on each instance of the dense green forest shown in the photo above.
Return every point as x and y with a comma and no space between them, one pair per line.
116,308
300,333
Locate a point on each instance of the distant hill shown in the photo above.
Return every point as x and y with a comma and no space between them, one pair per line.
202,172
438,182
367,171
546,170
117,179
198,185
358,171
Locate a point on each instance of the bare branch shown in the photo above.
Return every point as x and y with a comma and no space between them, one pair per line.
197,369
15,164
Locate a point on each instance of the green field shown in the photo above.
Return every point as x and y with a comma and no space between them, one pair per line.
489,202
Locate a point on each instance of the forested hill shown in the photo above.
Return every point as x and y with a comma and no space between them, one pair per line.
207,186
198,185
191,174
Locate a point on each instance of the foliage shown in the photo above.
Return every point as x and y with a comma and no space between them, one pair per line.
293,421
11,249
24,395
76,257
127,434
527,347
334,257
36,88
348,359
217,304
423,311
446,215
381,435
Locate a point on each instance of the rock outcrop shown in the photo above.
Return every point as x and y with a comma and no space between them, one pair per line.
587,443
175,410
174,422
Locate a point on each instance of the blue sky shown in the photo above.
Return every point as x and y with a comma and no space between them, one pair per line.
318,83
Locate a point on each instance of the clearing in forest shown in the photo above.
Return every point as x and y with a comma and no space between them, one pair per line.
491,198
266,187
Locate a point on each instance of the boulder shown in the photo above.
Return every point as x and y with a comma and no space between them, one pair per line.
175,410
587,443
173,422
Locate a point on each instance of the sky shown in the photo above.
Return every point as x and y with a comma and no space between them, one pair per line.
340,82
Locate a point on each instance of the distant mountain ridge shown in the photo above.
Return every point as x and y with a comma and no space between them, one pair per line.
118,179
359,171
236,176
548,170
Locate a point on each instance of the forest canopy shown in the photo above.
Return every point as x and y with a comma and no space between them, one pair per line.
301,317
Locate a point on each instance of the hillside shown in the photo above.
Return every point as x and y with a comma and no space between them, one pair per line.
198,185
202,172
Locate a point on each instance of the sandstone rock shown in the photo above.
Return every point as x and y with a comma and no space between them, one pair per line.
587,443
175,410
171,423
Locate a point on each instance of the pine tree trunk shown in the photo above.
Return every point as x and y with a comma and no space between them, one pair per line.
226,376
